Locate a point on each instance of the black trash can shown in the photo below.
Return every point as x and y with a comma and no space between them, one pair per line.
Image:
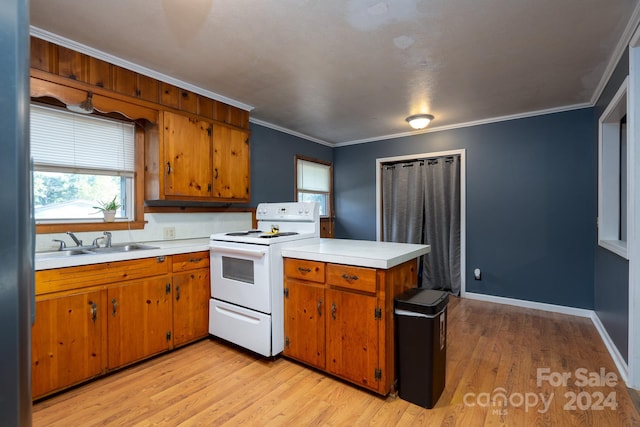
421,345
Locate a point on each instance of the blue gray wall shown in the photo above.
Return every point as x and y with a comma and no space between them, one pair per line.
611,277
273,165
531,202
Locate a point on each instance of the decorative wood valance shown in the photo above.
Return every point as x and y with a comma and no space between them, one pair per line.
104,104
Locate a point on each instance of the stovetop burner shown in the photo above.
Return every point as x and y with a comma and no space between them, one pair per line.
284,233
244,233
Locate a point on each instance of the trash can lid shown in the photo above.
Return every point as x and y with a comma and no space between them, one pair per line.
426,301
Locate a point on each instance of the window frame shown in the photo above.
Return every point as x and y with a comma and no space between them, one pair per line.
298,157
135,223
610,199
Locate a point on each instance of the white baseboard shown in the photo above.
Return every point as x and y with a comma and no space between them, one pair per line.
618,360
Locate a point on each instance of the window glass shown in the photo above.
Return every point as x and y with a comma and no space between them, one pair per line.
79,161
314,184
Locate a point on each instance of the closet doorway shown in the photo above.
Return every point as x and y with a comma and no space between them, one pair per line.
421,198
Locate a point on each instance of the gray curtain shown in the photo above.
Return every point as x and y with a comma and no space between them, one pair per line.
403,202
421,204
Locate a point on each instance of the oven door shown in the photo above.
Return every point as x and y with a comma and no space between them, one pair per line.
240,275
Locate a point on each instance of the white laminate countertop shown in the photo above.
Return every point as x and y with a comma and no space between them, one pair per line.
362,253
57,259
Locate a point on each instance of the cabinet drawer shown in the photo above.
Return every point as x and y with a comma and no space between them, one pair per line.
62,279
350,277
190,261
303,269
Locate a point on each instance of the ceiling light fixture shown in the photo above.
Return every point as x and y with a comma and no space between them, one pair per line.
419,121
85,107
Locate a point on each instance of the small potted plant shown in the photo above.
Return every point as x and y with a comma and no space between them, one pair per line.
108,209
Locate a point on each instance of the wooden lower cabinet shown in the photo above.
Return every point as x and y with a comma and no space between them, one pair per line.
191,294
139,320
340,319
304,314
352,344
90,321
67,340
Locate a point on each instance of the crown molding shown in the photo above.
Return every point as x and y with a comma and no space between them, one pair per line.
624,41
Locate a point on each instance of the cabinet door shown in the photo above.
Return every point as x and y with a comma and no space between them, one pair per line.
304,329
231,163
187,156
352,337
139,320
191,293
66,341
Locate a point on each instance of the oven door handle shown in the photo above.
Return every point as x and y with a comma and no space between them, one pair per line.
259,253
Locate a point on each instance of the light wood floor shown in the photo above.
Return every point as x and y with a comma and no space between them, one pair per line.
492,348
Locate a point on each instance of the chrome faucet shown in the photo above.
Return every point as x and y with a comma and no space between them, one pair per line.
74,238
108,242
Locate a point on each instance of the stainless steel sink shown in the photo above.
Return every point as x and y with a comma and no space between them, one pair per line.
129,247
92,250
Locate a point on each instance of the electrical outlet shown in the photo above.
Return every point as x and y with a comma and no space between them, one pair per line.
169,233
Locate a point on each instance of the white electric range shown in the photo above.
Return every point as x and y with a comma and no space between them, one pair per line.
246,306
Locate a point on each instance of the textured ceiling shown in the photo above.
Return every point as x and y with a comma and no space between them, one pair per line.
344,71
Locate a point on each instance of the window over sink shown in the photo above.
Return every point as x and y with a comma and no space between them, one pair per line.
78,161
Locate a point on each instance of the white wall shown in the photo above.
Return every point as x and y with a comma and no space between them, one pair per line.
187,226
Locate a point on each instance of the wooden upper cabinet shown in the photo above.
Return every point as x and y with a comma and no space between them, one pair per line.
231,163
238,117
205,107
100,73
125,81
147,88
41,55
187,157
130,83
72,64
169,95
188,101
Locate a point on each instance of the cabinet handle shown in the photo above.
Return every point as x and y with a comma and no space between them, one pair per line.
195,259
319,307
177,292
168,168
333,311
114,303
349,278
94,311
216,171
304,270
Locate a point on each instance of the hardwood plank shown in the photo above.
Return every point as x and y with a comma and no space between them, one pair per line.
490,346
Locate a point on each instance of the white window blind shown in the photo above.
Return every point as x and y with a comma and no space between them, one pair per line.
61,139
313,176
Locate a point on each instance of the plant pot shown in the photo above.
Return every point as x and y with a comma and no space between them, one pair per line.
109,216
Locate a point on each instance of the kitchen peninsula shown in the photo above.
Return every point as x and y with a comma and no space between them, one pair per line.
339,306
